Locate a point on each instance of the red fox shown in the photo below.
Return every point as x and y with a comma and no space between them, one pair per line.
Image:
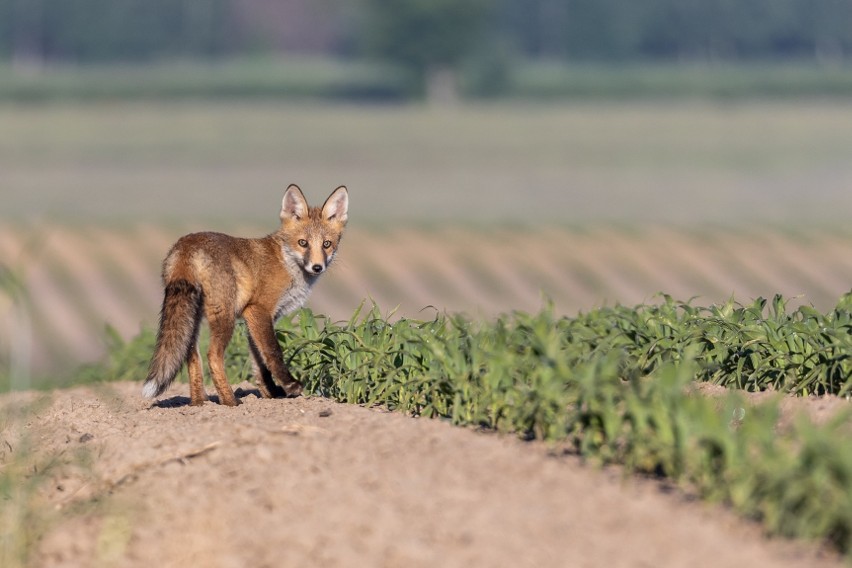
221,277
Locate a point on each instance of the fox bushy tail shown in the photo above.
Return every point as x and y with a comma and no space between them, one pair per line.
179,322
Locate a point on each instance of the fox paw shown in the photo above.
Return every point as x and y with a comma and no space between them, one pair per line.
293,389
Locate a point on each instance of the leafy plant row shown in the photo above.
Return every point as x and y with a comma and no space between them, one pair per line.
751,347
756,347
615,385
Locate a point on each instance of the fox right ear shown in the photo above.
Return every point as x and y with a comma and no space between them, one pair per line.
294,205
337,205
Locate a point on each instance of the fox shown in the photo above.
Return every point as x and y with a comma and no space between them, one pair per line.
221,278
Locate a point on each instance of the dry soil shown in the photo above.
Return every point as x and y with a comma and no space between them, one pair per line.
309,482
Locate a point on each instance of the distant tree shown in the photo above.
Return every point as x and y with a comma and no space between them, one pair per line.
32,31
429,37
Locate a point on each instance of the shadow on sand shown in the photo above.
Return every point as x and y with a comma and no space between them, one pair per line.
179,401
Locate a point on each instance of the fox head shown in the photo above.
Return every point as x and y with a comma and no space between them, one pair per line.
312,234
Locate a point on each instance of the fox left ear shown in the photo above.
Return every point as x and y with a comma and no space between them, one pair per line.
336,207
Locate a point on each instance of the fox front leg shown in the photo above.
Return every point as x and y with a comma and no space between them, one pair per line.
268,387
262,334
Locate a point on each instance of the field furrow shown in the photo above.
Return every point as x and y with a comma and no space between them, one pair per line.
78,256
704,275
78,279
119,250
613,280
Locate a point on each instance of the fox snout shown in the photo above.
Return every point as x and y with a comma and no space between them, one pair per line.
315,262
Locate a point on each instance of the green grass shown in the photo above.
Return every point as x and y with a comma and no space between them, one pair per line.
264,78
720,81
317,78
24,471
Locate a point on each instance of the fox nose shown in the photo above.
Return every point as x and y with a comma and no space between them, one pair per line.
317,268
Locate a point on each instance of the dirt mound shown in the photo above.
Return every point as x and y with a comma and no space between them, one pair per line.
309,482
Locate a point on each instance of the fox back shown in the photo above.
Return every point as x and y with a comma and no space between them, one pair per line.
221,277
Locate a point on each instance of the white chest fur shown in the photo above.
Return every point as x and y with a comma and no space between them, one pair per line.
294,296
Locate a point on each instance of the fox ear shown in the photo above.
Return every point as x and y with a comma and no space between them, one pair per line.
336,207
294,205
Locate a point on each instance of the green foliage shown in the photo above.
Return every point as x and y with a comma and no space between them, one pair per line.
420,32
614,383
15,301
125,360
646,80
124,30
128,360
616,386
756,347
245,78
423,33
513,363
23,475
761,346
487,71
709,30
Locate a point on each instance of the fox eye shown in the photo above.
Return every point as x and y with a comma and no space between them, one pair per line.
326,244
303,243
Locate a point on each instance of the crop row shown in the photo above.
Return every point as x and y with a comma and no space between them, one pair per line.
613,384
753,347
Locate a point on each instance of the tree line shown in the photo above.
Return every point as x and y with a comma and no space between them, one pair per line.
420,33
681,29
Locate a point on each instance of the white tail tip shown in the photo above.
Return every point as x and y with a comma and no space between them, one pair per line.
149,389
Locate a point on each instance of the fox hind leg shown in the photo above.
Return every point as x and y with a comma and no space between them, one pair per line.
197,394
221,330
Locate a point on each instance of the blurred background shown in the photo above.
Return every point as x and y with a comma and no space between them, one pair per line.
498,152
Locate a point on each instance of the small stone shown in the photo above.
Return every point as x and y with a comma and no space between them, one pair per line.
86,437
325,412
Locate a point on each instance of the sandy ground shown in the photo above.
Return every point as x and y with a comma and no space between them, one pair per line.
309,482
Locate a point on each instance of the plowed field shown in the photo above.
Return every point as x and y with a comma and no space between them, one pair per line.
79,279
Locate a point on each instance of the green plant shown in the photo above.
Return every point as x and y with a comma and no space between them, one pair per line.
614,384
23,473
14,307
